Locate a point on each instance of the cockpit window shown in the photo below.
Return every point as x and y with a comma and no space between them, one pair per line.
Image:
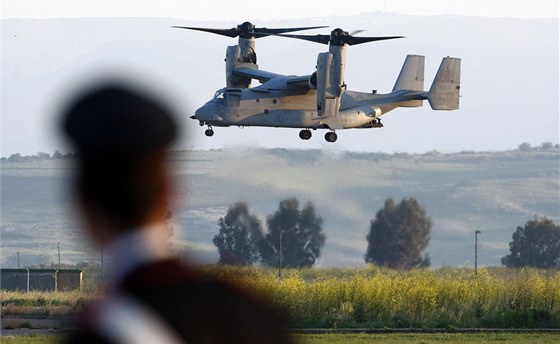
219,94
228,96
219,97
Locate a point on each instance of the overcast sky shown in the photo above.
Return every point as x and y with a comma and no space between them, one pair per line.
38,58
225,10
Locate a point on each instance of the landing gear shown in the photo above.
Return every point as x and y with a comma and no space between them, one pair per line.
305,134
377,123
331,136
209,132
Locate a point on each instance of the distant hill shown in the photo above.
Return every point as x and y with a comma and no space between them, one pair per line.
489,191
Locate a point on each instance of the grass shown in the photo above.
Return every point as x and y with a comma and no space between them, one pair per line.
363,338
43,304
427,338
32,339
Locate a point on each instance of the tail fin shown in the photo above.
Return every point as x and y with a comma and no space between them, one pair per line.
444,93
411,76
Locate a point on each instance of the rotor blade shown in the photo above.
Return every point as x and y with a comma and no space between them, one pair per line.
258,32
355,32
323,39
265,30
223,32
350,40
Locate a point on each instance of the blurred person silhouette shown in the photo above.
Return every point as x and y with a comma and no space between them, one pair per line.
123,187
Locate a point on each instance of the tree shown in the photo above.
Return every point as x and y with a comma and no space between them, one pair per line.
295,237
239,236
536,244
398,235
525,147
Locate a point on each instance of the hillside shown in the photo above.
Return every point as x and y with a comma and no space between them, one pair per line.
489,191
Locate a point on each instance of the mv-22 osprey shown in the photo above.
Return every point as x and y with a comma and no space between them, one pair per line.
320,100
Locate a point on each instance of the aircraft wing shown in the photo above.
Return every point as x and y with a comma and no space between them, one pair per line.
261,75
298,82
291,82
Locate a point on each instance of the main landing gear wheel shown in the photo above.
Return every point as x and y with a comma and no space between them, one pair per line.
209,132
377,123
331,136
305,134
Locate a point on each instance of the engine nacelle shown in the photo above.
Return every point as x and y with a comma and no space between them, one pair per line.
324,61
330,84
233,59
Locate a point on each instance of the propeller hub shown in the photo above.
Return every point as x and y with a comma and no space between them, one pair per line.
337,37
246,30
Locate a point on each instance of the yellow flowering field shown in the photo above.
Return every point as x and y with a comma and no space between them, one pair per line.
369,297
422,298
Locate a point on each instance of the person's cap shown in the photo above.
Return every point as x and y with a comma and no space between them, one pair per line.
113,120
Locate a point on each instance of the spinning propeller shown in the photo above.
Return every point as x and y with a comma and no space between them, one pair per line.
248,30
340,37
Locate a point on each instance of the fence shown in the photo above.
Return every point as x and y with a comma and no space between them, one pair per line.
41,279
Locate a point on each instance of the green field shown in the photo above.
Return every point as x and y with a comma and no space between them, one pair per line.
367,338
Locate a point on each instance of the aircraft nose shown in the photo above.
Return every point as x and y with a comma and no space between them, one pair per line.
206,114
202,114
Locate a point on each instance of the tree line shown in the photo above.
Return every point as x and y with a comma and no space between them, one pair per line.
397,238
57,155
294,238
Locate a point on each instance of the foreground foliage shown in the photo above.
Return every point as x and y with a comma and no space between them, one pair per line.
377,298
371,297
44,304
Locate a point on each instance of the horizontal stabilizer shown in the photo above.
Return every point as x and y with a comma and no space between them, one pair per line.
444,93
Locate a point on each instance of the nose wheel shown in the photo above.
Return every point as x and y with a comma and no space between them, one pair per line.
209,132
331,136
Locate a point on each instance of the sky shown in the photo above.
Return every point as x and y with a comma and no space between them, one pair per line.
267,10
40,62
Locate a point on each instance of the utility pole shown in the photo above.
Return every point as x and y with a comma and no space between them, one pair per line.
59,255
18,259
476,233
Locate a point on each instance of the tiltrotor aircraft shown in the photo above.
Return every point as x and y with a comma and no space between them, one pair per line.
320,100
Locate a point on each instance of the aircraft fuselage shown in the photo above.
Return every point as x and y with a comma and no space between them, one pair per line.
295,108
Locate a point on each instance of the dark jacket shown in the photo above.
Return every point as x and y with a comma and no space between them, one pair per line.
198,310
